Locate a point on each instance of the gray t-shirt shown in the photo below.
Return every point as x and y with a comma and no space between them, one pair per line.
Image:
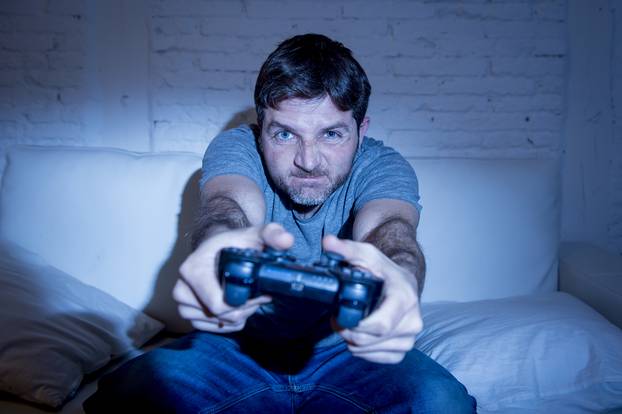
377,172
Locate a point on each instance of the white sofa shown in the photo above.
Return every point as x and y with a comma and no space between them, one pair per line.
77,222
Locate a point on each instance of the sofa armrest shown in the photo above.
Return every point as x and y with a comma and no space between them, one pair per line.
594,276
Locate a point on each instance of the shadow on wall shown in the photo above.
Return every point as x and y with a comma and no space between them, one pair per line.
162,306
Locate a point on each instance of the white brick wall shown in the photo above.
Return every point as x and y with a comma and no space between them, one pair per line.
466,77
448,78
442,73
41,71
590,193
615,172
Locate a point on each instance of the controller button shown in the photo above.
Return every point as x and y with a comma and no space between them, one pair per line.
297,286
349,317
331,259
358,274
354,291
275,253
236,295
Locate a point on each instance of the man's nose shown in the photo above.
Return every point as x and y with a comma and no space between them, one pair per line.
307,156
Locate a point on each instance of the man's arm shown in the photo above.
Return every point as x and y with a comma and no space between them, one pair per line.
228,202
391,226
231,215
385,244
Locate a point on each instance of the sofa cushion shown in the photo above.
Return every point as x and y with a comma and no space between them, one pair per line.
111,218
117,220
489,228
56,329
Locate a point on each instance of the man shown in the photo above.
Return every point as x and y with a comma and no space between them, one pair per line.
305,179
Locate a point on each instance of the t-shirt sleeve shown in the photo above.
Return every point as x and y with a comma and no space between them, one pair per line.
384,173
233,152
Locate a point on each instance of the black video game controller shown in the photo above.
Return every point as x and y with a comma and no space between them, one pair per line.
248,273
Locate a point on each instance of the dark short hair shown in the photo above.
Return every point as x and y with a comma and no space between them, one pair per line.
310,66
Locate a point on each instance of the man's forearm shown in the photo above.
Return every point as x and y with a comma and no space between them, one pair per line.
396,238
218,213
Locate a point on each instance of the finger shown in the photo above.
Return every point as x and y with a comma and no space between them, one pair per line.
193,313
399,305
199,280
213,300
275,236
199,285
215,326
259,300
233,317
195,316
359,338
353,336
358,254
394,344
362,339
238,315
356,338
242,312
385,318
183,295
408,327
203,321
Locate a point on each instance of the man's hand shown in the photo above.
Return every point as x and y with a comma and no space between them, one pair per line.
199,293
388,333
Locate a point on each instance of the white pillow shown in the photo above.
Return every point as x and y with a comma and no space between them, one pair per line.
55,329
529,354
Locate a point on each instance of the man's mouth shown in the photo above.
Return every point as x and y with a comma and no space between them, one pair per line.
308,178
315,174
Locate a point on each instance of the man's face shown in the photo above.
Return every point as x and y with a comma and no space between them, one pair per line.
308,147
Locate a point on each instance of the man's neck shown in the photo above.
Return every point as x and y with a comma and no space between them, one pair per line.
305,212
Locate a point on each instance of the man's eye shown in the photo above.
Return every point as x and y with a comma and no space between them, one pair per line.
284,135
332,134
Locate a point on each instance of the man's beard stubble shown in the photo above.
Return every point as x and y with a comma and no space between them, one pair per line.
298,198
301,197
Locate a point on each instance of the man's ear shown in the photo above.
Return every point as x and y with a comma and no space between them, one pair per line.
257,134
363,128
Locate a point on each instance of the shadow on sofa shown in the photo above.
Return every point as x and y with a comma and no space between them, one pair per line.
162,305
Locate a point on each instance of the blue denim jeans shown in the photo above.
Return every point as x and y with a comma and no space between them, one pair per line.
207,373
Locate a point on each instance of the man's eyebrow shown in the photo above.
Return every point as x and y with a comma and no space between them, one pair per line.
338,125
276,124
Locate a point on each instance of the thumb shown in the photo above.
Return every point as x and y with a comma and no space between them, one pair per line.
274,235
354,253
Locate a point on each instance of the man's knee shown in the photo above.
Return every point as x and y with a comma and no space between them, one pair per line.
430,388
443,394
140,383
152,381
